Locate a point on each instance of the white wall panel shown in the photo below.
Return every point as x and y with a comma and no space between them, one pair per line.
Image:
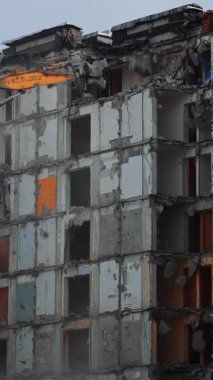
109,277
109,125
48,139
131,178
46,247
45,293
26,194
24,350
27,144
131,283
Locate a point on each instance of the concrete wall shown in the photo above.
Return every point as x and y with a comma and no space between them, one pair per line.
123,175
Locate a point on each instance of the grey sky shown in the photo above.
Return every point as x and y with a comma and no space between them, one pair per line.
19,17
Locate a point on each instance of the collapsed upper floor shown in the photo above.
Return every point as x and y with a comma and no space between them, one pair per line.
172,48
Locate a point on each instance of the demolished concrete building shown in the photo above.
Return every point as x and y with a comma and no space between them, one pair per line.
106,203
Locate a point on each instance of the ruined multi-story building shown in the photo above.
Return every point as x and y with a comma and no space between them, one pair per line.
106,202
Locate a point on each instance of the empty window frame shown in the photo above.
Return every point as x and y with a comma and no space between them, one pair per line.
181,339
191,177
171,332
80,135
205,286
116,81
206,355
4,253
206,231
80,188
194,233
189,123
203,123
5,198
197,338
172,295
198,290
78,295
192,134
197,121
78,242
4,201
98,92
192,356
77,350
188,341
200,232
195,76
3,357
168,295
171,220
4,304
205,175
9,106
197,293
190,291
7,147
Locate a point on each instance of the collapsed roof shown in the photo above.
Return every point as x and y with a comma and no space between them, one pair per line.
168,47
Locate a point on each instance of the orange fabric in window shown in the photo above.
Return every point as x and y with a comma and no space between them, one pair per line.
47,195
4,303
4,253
206,231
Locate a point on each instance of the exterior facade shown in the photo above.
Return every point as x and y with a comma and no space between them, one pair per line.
106,203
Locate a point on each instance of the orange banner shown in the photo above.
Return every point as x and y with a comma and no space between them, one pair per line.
26,80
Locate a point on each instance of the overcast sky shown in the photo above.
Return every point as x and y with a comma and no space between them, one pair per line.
20,17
